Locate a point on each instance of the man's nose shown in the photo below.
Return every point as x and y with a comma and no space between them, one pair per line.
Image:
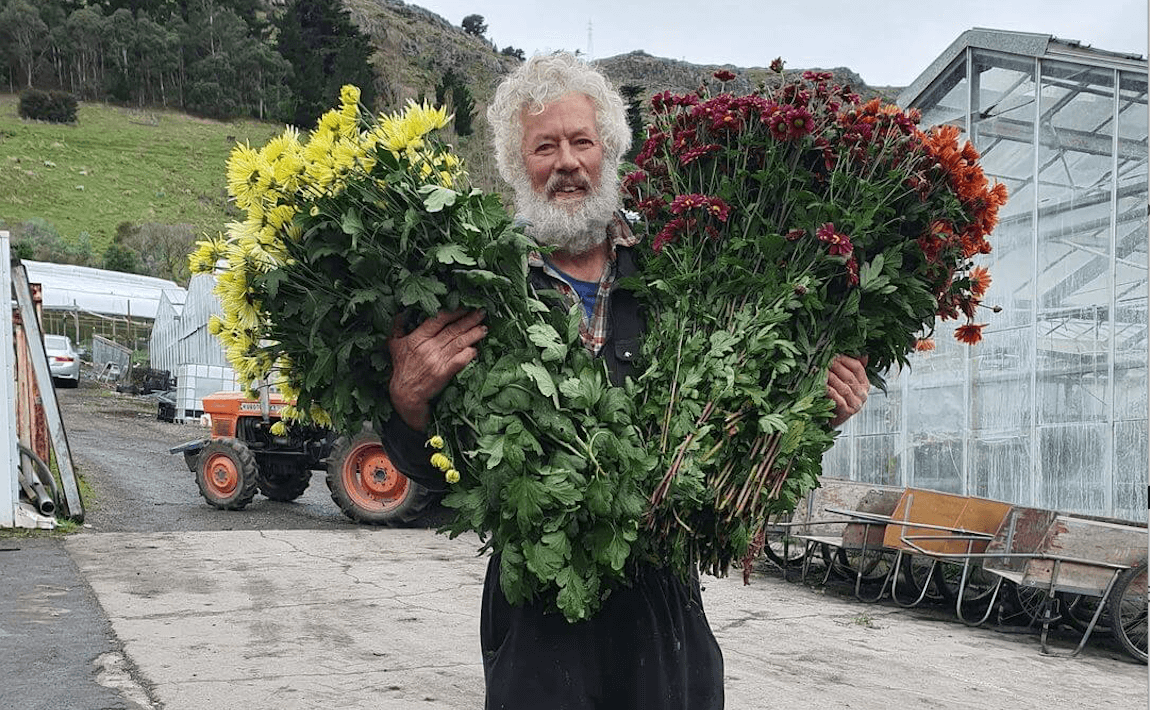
566,160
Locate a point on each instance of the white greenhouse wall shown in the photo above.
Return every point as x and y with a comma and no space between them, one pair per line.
166,330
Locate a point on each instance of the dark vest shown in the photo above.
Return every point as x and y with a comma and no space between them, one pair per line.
625,322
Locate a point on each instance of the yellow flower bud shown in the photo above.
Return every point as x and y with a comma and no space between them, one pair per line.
279,428
452,476
440,461
435,442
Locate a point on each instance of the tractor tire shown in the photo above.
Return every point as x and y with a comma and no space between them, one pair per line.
227,474
368,488
284,482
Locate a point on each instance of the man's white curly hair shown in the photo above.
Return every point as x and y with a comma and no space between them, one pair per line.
539,81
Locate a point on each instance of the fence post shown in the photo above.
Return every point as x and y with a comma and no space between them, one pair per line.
9,471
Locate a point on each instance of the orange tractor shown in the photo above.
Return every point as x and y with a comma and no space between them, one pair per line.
243,457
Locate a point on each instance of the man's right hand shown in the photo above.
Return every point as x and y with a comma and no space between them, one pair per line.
425,360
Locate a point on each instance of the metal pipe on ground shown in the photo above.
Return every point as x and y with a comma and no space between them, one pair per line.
36,478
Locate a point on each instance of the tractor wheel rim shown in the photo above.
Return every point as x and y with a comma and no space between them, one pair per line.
372,481
221,475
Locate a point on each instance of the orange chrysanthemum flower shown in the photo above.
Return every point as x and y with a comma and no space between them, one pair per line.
979,281
923,345
971,333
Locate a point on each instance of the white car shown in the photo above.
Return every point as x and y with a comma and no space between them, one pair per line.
63,360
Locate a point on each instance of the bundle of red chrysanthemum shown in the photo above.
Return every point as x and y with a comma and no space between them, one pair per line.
785,227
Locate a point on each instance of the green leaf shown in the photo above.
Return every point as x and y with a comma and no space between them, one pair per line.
437,197
608,545
542,378
546,558
562,489
351,223
491,447
574,321
547,339
452,254
574,595
422,290
524,497
511,581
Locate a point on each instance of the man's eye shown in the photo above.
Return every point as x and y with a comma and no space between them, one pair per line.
544,148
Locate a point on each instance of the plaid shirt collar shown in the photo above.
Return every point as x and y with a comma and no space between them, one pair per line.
594,331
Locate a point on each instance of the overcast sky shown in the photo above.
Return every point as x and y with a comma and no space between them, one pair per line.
888,43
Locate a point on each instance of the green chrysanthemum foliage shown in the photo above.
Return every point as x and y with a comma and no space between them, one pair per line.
552,473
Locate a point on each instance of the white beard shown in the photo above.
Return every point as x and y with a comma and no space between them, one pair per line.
574,230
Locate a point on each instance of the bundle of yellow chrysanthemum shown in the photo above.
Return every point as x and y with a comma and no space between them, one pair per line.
289,178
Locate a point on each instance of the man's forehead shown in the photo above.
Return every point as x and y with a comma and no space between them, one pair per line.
574,106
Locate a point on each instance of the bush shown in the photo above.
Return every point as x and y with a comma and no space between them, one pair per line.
38,240
52,106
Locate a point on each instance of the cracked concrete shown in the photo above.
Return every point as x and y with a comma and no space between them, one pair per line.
371,618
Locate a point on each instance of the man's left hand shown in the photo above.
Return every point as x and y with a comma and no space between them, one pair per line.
847,386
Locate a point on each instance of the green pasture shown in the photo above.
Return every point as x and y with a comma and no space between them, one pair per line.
118,165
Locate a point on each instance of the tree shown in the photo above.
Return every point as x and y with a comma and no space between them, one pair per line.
118,257
461,103
325,51
474,25
510,51
632,93
25,33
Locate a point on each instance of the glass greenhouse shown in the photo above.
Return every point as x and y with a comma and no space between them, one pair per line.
1050,409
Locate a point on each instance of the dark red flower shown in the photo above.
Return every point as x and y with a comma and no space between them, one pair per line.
840,244
795,234
669,234
852,272
776,65
724,75
682,203
695,153
714,206
650,207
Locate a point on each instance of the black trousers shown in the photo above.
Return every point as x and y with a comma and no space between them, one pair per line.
649,647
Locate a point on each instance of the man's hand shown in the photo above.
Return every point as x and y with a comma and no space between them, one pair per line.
847,386
426,359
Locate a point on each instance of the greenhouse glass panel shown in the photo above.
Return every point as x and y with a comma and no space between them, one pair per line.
1001,468
937,461
1131,237
1073,461
1075,185
1130,472
878,460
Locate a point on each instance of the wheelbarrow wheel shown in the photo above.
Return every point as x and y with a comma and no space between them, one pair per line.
875,564
979,589
1127,606
785,551
1078,610
916,572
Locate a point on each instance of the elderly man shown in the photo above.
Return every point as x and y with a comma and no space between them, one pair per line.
560,132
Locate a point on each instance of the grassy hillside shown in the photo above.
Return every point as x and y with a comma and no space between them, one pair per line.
117,165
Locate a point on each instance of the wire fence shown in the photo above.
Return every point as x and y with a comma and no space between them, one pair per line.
80,325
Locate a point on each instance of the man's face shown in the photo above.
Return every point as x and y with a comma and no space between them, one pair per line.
562,151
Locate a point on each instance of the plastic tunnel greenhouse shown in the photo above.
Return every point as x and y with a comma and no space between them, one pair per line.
1050,409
